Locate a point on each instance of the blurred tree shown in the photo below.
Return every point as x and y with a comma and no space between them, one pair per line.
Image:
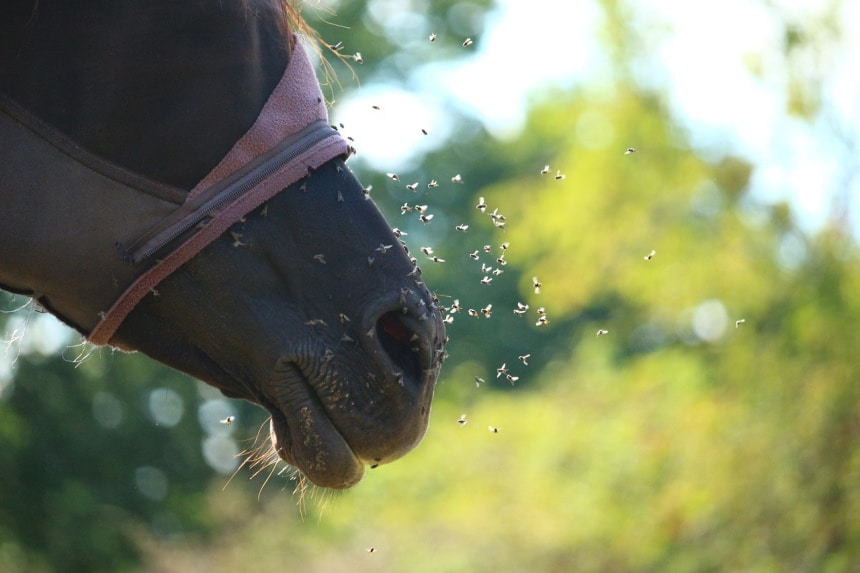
92,451
714,426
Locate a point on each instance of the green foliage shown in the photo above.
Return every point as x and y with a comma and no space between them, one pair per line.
92,452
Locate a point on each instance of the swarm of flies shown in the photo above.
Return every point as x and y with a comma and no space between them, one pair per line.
488,261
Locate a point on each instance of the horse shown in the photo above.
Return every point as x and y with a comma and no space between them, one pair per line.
169,184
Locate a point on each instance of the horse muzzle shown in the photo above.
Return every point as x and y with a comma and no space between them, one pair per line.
365,402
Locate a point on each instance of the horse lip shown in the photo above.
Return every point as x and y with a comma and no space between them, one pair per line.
303,435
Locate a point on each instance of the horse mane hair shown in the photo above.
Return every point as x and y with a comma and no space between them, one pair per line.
294,22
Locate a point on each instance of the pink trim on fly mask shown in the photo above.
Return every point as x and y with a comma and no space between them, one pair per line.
295,103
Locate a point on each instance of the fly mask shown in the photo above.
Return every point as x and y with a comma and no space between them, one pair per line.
75,214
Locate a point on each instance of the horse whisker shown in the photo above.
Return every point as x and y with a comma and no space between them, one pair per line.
273,465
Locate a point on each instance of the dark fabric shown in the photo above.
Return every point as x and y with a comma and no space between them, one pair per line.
62,220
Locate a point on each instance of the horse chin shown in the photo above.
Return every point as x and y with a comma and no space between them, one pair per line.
304,436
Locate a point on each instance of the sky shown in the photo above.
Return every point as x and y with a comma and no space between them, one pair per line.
704,56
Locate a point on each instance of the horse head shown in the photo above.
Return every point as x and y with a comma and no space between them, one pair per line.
300,299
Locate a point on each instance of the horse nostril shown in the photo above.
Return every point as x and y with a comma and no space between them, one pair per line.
400,342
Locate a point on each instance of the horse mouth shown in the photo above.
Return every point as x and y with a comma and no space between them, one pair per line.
329,425
304,436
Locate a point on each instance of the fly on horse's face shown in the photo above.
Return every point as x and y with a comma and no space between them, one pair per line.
299,297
